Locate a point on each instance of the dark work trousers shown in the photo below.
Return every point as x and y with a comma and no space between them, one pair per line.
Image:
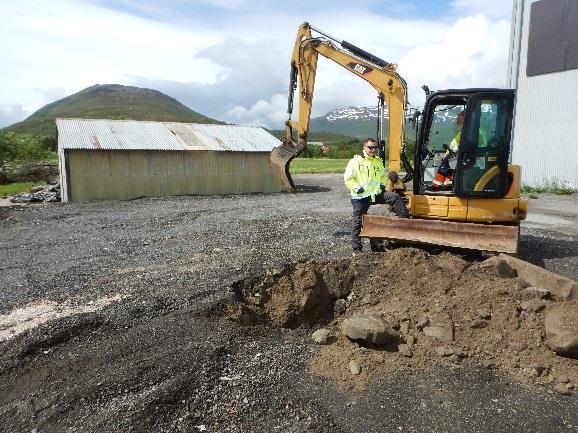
360,208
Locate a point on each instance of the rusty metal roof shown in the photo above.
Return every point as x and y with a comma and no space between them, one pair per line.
143,135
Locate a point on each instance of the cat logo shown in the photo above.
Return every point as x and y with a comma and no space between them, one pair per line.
360,69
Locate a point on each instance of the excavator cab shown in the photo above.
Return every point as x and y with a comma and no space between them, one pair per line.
479,166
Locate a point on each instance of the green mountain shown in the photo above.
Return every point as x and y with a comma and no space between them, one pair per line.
109,101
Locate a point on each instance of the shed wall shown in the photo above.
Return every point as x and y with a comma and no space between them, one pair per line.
124,175
545,135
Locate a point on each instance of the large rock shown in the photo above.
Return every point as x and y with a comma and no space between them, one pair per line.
563,289
369,329
561,324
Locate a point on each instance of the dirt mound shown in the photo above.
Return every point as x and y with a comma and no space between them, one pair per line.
443,310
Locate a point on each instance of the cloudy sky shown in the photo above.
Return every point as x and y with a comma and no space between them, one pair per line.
229,59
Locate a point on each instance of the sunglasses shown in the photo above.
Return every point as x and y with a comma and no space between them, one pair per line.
371,147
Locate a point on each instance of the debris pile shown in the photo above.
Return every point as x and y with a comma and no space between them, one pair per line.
40,194
407,310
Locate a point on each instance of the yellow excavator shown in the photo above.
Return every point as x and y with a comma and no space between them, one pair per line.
482,208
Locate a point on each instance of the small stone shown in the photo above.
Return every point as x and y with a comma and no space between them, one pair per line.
532,306
499,267
321,336
562,388
422,322
340,306
404,327
354,367
455,358
539,291
498,337
484,313
441,332
369,329
405,350
478,324
443,351
459,352
518,346
410,341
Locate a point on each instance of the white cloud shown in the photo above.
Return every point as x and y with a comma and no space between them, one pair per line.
67,43
472,53
263,112
10,114
238,72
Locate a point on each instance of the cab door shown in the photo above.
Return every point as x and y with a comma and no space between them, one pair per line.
484,147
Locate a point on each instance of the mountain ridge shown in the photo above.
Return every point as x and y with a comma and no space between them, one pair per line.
109,101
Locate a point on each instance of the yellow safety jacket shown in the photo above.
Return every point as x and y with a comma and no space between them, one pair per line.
456,141
367,173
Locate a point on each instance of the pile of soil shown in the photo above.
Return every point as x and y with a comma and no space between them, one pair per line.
495,320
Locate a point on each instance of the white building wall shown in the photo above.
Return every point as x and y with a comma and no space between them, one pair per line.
545,130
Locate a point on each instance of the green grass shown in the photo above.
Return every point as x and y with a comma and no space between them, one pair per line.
551,187
317,165
17,188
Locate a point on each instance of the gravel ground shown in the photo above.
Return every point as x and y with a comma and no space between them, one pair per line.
164,359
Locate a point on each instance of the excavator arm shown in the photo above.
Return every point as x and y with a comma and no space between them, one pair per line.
390,87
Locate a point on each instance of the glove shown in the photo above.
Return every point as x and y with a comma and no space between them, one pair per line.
382,187
360,190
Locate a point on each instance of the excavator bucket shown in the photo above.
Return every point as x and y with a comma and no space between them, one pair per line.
280,158
496,238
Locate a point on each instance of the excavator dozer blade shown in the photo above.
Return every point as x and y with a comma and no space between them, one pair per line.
280,158
497,238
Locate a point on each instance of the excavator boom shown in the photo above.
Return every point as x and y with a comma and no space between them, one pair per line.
382,75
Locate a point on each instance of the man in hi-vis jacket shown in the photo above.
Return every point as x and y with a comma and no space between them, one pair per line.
366,178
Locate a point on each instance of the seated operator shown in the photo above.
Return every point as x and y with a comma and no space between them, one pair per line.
444,175
366,178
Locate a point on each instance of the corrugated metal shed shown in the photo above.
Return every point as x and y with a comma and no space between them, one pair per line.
545,129
143,135
126,159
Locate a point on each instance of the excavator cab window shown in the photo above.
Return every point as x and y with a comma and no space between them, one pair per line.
484,148
442,130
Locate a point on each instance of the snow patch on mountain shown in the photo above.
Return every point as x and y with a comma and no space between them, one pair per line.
353,113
